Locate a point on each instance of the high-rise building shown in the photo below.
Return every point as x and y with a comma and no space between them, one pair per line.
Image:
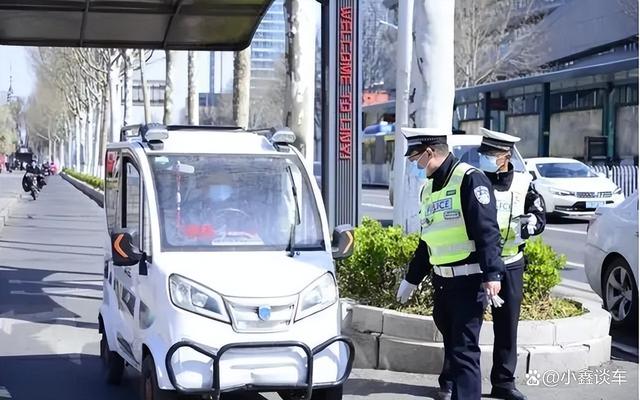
267,50
268,45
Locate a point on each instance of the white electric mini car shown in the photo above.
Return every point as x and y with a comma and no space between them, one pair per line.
219,271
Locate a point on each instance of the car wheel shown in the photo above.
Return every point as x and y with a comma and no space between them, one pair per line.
333,393
149,383
619,293
112,363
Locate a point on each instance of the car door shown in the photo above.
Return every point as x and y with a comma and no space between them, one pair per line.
126,278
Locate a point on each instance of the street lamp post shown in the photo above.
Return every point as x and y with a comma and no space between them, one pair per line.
403,74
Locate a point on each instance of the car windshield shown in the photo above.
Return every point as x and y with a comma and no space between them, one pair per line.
231,202
468,153
565,170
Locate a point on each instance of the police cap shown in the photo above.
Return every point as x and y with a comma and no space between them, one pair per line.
417,138
493,140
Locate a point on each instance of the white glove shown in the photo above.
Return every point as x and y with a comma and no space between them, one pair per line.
531,224
405,291
495,301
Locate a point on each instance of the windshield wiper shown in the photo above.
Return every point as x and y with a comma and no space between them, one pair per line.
292,233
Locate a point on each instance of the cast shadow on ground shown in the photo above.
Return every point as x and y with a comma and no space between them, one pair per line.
366,387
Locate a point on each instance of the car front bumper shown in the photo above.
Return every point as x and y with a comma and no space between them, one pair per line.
572,206
264,377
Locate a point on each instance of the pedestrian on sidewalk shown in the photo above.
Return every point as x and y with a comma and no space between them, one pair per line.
460,243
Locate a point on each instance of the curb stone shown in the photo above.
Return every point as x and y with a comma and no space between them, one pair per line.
412,343
94,194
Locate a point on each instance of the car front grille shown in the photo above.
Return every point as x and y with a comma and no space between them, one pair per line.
245,315
593,195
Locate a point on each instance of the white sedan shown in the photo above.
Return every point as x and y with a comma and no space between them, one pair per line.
611,259
570,188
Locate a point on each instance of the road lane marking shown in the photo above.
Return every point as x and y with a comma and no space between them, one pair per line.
573,284
380,196
65,283
377,206
551,228
572,264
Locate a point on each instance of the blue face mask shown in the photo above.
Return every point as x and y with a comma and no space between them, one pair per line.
488,163
416,162
219,192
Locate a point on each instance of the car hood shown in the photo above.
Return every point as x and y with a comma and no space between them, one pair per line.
248,274
597,184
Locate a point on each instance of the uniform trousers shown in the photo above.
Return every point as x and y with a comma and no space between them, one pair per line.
505,327
458,307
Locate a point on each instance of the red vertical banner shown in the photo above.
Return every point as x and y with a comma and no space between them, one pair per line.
346,81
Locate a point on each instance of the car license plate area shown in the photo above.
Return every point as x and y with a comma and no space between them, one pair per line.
593,204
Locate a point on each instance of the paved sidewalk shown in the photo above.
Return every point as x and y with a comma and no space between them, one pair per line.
10,192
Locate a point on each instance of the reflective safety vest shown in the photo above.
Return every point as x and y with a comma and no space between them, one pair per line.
442,225
510,204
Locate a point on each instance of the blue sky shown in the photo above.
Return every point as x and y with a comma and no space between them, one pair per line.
16,59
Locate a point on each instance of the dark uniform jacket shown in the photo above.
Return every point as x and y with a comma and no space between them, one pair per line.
481,222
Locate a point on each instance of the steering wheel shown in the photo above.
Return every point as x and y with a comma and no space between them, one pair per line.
237,232
231,210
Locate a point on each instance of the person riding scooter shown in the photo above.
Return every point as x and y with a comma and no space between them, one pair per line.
35,170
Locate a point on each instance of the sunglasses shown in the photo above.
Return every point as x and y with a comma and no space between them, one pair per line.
415,156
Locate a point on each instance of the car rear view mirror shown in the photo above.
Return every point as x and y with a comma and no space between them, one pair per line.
123,250
342,242
185,169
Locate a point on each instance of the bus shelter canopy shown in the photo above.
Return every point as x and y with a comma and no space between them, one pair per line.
151,24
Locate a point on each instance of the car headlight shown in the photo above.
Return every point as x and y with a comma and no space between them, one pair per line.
560,192
617,191
320,294
196,298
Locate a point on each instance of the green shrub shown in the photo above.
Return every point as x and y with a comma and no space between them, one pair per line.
373,273
543,270
89,179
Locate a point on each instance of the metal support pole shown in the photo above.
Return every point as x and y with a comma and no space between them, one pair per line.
486,106
403,76
328,104
544,125
609,123
341,125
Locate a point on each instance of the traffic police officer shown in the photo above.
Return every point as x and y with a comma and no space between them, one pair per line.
520,215
460,243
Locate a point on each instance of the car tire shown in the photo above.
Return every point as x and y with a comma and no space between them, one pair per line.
620,293
112,362
333,393
149,389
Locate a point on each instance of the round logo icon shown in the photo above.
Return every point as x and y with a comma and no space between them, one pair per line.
264,313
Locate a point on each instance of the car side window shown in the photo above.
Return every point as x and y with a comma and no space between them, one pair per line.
131,200
112,189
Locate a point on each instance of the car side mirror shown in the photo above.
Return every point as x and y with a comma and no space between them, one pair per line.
123,250
533,176
342,242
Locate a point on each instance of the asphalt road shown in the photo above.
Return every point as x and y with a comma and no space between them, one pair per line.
50,290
